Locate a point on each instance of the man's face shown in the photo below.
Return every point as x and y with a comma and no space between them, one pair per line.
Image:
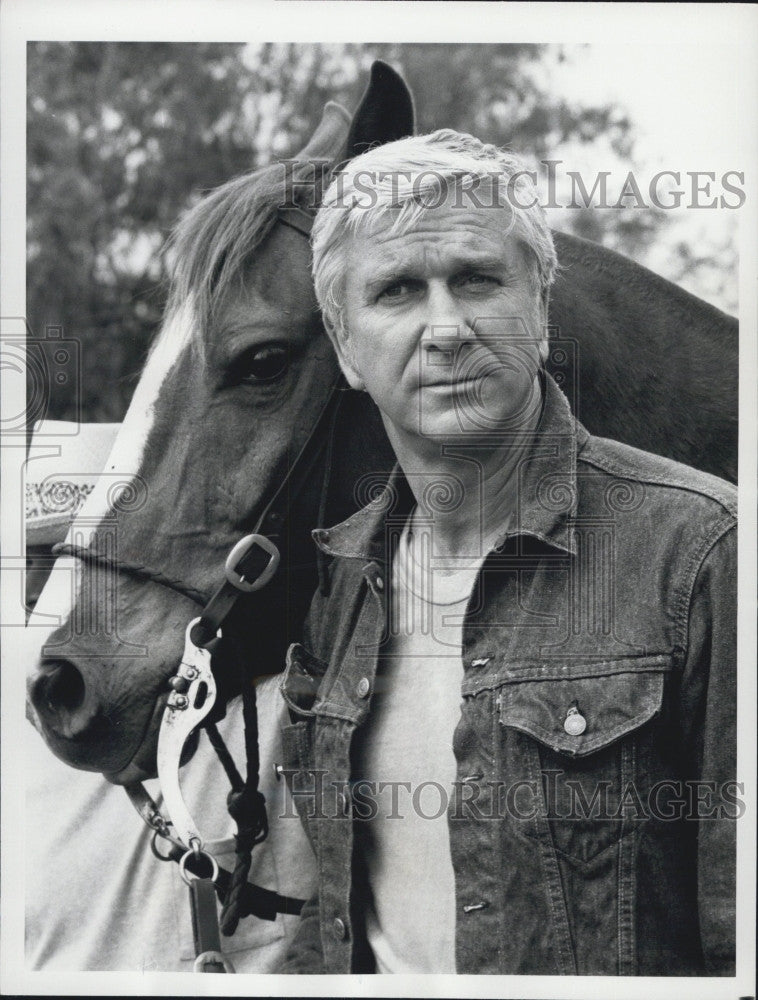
445,324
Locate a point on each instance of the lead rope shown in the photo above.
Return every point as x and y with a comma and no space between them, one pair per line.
247,807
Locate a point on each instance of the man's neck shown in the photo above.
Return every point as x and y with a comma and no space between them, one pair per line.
469,493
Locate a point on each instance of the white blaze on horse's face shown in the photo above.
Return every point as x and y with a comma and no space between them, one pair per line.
58,602
125,461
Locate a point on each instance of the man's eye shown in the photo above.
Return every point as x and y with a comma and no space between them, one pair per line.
398,289
479,279
262,364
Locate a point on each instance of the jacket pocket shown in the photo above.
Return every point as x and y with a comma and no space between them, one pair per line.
300,688
302,677
586,746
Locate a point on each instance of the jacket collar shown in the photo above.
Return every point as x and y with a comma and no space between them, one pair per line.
547,492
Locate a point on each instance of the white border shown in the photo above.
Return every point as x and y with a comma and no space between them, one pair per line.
290,20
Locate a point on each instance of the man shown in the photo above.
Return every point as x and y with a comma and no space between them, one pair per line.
512,734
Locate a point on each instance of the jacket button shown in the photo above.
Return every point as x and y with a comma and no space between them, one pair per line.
343,802
575,723
339,928
473,907
379,583
363,687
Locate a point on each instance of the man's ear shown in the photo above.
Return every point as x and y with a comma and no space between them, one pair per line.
544,347
343,348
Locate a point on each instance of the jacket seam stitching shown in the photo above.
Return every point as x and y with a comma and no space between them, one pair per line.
684,603
552,882
653,664
656,480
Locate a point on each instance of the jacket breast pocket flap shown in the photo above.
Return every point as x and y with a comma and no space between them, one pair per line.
581,715
302,676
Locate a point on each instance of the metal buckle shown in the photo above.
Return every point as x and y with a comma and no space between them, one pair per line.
241,549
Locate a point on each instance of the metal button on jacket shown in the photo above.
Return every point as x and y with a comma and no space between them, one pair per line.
473,907
575,723
343,803
339,928
363,687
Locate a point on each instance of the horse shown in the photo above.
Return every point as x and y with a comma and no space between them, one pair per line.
241,384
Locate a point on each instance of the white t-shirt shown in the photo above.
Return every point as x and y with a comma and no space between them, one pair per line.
408,742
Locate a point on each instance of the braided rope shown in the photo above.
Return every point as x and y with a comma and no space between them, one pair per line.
139,571
247,807
225,758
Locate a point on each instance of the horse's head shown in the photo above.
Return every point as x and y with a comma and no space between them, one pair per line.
234,384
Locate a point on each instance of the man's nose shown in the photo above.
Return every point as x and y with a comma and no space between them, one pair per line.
447,315
448,327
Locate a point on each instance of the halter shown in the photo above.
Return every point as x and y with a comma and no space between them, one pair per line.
249,567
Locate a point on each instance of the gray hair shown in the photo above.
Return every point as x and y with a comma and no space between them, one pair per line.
409,177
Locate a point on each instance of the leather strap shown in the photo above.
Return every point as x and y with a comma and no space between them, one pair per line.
296,218
205,928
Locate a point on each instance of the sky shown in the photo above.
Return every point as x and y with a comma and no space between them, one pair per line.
682,100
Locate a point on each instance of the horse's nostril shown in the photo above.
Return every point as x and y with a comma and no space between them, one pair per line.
59,689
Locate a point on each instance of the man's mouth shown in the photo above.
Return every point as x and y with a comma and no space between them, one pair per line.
453,383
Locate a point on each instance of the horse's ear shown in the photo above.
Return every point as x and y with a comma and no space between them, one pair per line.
329,137
384,114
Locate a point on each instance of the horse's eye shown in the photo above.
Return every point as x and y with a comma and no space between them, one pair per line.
262,364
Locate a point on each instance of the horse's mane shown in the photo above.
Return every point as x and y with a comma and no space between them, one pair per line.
213,241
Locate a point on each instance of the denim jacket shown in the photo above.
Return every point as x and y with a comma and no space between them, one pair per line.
592,827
